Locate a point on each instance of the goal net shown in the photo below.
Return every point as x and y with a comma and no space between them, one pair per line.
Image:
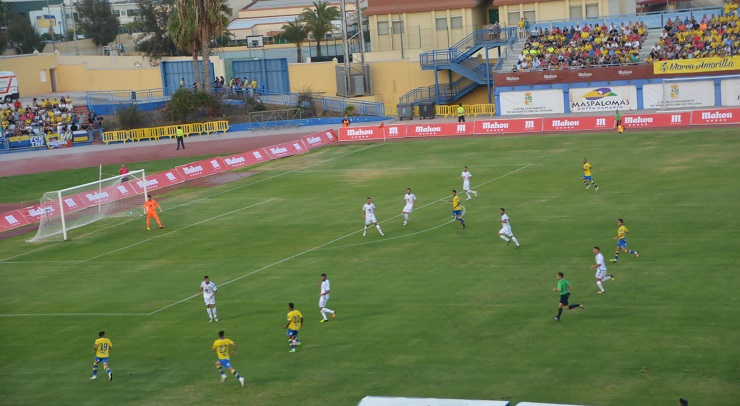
687,93
67,209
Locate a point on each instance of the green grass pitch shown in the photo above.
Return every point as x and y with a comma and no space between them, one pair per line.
429,310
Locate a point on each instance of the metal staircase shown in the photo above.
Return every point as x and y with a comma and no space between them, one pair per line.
460,59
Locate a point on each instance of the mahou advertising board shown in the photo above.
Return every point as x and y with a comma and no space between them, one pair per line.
508,126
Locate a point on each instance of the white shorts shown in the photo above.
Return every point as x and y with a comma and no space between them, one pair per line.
506,231
466,185
210,300
370,219
600,274
408,208
323,300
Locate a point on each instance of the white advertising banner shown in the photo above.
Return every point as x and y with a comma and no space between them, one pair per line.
678,95
730,89
587,99
532,102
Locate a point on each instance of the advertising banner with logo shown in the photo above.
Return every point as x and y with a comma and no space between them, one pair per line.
362,133
676,119
678,95
286,149
246,158
701,65
730,92
578,123
199,169
606,73
395,131
714,116
11,220
588,99
439,129
508,126
532,102
319,139
33,214
158,181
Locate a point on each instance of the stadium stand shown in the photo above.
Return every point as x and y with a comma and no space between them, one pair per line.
590,45
710,36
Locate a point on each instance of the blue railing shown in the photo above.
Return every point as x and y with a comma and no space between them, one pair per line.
447,92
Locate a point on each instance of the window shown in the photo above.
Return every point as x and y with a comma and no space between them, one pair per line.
513,18
398,27
592,10
383,28
575,12
529,15
441,23
456,23
134,12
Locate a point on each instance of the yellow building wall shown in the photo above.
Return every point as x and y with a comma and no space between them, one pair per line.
391,80
319,77
33,72
553,8
78,78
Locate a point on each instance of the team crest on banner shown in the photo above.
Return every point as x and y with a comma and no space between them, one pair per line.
527,99
675,92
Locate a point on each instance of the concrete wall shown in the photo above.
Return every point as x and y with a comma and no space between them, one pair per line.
319,77
33,72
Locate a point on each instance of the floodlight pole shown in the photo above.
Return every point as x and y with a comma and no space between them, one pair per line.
343,19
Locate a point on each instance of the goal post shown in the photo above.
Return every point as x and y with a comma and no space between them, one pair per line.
77,206
686,93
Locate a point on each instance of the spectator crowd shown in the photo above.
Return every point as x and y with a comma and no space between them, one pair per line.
52,117
582,46
710,36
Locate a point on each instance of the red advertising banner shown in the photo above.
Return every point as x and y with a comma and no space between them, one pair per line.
395,131
33,214
286,149
508,126
578,123
677,119
11,220
158,181
362,133
199,169
715,116
246,158
439,129
319,139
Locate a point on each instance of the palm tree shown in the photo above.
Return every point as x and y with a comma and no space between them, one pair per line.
213,21
295,32
318,21
184,33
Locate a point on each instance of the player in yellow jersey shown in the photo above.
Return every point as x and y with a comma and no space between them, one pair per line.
457,209
101,349
221,348
295,322
587,175
622,241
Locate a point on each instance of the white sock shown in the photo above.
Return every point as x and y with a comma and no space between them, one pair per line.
515,241
503,237
601,287
468,194
606,278
379,230
213,310
474,192
323,314
330,311
210,315
406,216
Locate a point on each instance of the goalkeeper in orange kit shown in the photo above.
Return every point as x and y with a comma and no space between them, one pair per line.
150,207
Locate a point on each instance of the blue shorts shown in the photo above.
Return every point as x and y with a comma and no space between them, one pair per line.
622,243
292,333
457,213
586,177
225,363
99,360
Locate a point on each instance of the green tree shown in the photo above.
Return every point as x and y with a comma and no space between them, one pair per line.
295,32
4,16
22,34
156,40
318,21
97,21
183,30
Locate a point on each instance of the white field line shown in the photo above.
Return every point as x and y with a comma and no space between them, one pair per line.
72,314
196,200
318,247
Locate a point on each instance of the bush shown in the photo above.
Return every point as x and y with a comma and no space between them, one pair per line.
128,117
349,110
307,104
186,106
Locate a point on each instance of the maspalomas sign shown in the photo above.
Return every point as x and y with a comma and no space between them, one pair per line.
612,98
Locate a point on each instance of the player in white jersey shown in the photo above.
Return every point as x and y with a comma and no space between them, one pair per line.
465,176
600,268
323,298
505,233
208,290
368,214
409,200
